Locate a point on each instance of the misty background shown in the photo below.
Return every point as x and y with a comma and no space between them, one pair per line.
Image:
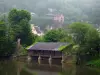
42,10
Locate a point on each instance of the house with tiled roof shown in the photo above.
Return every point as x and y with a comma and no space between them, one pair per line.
46,49
49,50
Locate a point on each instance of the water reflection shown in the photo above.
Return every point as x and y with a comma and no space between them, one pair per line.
12,67
9,67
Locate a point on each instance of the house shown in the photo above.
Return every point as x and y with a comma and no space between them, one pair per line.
36,30
46,49
49,50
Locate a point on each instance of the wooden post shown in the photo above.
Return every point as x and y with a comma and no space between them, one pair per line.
39,59
18,46
62,61
50,61
29,58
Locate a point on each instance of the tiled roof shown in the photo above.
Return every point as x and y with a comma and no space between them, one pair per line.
47,46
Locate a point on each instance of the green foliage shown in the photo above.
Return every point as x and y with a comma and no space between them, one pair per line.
6,42
19,20
61,48
39,39
85,39
70,48
93,40
18,27
55,36
22,51
26,36
94,63
15,16
78,32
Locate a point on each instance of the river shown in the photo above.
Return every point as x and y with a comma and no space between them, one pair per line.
15,67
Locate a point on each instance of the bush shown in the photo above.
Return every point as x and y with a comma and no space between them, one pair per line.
94,63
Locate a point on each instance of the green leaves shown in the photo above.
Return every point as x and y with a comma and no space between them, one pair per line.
15,16
19,20
86,36
58,35
7,45
78,31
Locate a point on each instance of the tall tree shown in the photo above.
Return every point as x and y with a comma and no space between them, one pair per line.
85,36
19,20
6,40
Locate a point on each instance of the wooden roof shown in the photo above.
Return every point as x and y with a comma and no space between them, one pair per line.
47,46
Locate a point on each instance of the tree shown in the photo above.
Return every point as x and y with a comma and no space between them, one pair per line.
15,16
7,45
86,42
58,35
26,35
86,37
78,31
19,20
93,40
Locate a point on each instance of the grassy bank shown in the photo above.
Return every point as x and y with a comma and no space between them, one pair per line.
94,63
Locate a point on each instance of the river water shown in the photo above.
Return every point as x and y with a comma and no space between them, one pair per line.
15,67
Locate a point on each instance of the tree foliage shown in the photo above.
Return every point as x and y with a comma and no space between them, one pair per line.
86,36
58,35
15,16
7,45
19,20
78,32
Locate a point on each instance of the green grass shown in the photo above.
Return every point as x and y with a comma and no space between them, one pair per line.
94,63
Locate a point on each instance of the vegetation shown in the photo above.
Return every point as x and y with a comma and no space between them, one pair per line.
61,48
19,20
15,26
6,40
84,38
58,35
94,63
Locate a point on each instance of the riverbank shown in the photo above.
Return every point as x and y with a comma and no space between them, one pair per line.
94,63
